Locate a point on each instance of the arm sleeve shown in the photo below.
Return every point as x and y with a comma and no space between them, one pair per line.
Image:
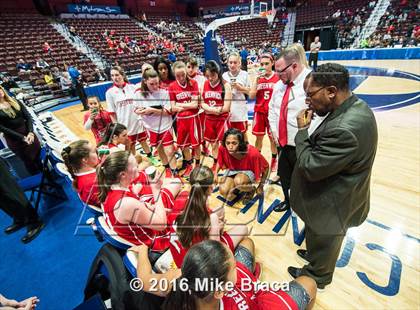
273,117
334,150
110,102
87,121
11,132
27,117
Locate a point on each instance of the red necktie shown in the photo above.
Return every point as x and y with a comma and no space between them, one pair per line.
283,116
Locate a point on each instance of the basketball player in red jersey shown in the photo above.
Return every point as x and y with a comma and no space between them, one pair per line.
183,93
262,90
217,97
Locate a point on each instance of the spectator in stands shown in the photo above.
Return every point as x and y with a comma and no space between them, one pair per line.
22,66
110,43
96,119
46,48
132,44
56,74
171,56
48,77
10,85
16,125
244,58
99,75
72,31
163,68
27,304
41,64
313,55
81,159
65,81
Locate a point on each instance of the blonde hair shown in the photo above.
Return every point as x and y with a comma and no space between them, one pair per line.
295,52
14,105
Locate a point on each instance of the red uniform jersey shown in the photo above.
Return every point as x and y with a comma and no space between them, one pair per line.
178,251
213,96
165,84
183,94
99,123
134,233
264,92
252,161
87,187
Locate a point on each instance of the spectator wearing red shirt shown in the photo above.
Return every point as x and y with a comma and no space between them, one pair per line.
244,167
46,48
81,159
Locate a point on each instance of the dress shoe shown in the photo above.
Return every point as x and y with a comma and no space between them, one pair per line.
297,272
303,255
283,206
14,227
294,271
33,231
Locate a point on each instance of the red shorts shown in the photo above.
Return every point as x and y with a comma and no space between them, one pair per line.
139,137
260,124
202,116
189,132
241,126
164,138
214,129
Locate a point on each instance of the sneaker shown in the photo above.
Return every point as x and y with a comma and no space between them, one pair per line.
273,164
295,272
154,161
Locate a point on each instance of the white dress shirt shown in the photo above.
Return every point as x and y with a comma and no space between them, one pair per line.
297,103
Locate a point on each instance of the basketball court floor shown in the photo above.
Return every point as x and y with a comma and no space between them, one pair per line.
379,265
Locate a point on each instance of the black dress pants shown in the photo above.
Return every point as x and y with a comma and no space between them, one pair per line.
13,200
286,164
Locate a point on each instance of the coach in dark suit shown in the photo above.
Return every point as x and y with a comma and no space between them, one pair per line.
330,188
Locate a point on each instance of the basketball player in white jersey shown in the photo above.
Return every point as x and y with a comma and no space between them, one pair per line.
240,84
120,104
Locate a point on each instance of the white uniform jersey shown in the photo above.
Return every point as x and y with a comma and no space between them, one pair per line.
239,107
121,102
160,100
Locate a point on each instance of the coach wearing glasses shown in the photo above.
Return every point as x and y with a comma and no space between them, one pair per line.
330,187
287,100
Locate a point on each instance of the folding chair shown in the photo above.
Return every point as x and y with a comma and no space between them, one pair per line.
40,181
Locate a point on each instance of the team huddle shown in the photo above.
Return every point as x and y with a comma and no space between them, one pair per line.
196,117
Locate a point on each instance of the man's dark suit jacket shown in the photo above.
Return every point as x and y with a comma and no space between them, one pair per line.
330,188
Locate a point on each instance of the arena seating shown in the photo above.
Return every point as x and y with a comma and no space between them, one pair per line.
319,13
254,32
186,27
23,36
399,22
91,30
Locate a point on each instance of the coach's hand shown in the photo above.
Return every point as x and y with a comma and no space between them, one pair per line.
304,118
